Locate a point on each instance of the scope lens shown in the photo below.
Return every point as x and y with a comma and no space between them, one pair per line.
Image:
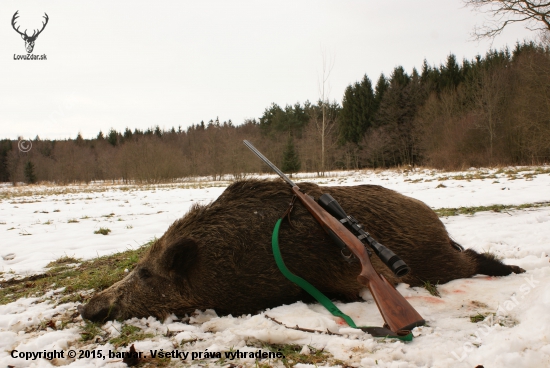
400,268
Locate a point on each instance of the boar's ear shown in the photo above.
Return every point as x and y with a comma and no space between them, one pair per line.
180,256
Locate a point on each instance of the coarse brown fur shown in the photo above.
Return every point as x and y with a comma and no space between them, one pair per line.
219,255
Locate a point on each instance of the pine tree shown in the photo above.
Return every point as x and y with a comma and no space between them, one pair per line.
358,109
79,139
270,120
30,176
381,88
112,137
290,120
158,132
451,75
128,133
291,161
5,148
399,77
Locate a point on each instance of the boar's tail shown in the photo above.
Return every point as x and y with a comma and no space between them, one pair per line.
488,264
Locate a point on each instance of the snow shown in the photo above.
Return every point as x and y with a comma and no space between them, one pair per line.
38,225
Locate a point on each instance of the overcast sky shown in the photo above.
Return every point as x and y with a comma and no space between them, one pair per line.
139,64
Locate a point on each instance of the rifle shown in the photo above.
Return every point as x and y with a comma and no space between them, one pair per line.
398,314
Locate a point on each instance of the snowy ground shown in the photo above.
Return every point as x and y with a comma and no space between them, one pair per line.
43,223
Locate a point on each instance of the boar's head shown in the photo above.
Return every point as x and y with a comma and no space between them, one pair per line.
157,286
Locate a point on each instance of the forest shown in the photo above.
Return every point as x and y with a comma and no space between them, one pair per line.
490,111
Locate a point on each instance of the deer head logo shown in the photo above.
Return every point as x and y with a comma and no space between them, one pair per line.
29,40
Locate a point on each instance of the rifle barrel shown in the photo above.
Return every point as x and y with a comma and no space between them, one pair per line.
269,163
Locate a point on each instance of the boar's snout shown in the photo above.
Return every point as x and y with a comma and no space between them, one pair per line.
99,310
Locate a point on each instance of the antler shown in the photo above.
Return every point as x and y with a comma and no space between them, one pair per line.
34,34
43,26
15,16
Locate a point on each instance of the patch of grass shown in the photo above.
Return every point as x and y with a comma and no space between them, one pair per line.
479,304
73,298
441,185
103,231
468,177
151,362
93,189
477,318
445,212
480,317
72,221
432,289
89,330
129,334
187,341
97,274
292,354
23,202
63,261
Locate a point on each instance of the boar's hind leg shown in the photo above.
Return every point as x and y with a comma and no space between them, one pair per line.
487,264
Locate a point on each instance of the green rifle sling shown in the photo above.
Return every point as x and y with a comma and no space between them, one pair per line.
322,298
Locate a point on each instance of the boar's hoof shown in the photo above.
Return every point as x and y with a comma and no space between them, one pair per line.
516,269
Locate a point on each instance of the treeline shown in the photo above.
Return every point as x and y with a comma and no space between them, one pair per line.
493,110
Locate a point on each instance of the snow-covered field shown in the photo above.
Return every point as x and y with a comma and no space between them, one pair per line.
40,224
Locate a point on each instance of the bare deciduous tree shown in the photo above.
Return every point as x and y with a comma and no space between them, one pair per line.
326,124
489,100
535,14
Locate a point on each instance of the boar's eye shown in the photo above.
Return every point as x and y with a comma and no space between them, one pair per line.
144,273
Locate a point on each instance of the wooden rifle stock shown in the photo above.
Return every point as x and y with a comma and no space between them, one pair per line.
395,309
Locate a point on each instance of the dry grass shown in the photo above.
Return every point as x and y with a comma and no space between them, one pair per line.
76,276
445,212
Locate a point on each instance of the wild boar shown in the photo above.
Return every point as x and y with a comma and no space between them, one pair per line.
219,255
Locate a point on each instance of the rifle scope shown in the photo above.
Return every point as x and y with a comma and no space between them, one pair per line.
396,264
